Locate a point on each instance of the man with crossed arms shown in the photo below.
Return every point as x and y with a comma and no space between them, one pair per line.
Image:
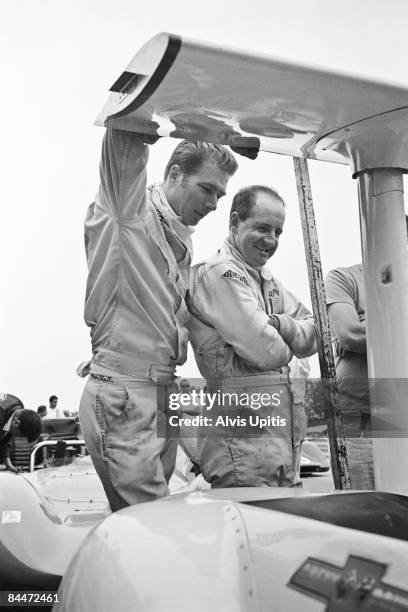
245,327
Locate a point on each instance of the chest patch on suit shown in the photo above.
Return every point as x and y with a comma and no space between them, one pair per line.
271,297
232,274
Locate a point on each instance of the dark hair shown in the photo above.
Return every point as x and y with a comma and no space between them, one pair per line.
190,156
41,409
244,200
52,398
30,425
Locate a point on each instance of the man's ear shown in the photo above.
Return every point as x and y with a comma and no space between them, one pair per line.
174,172
234,222
16,423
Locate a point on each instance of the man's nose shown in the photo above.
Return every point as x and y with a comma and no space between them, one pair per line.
212,202
269,241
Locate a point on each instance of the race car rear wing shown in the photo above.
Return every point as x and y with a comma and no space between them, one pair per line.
187,89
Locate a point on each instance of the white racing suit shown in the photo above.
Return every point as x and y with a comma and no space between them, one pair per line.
136,310
238,351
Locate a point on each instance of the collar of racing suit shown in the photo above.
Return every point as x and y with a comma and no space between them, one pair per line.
263,277
169,217
228,248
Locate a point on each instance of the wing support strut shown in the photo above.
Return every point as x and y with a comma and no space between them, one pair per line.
337,442
385,266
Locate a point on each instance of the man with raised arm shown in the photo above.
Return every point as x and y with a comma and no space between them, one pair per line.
245,327
138,245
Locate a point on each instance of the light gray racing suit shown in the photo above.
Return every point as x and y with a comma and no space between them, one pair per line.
238,351
139,255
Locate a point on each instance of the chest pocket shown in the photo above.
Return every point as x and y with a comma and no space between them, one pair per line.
274,300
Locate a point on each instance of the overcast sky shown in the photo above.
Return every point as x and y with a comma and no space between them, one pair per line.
59,59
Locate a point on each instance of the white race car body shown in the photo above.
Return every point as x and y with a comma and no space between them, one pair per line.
45,516
245,549
226,549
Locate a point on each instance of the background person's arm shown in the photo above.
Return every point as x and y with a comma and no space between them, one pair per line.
342,291
9,466
5,457
349,330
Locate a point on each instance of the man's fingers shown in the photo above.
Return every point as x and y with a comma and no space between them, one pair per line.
247,146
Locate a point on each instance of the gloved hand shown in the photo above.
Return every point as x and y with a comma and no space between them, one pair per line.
149,139
146,137
247,146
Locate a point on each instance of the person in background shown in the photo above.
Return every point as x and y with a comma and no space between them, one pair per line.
188,434
187,408
299,373
42,411
245,327
345,296
15,420
139,250
185,386
54,411
346,303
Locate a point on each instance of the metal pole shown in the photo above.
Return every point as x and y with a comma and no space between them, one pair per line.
326,360
385,265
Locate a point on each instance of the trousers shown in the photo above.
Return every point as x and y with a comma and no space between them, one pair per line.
359,453
119,421
247,446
